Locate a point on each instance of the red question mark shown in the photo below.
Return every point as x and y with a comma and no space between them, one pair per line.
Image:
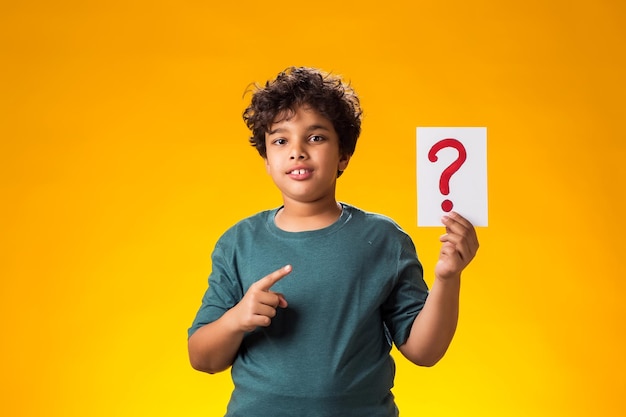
444,181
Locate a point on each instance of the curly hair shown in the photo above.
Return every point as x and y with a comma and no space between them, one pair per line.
296,86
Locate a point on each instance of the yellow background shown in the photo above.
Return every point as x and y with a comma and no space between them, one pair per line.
123,158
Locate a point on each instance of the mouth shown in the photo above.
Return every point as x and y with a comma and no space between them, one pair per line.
300,174
299,171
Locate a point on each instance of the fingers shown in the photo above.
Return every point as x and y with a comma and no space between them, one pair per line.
266,310
265,283
457,228
282,303
455,217
460,233
268,298
458,224
259,304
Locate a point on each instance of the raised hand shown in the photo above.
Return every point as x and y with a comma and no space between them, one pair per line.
459,246
258,306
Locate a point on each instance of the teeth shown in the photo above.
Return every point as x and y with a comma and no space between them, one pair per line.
299,171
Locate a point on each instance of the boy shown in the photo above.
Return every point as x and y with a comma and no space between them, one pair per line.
305,300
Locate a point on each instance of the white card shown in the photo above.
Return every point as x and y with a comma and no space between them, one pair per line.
451,174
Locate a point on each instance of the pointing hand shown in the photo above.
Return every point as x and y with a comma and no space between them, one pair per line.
258,306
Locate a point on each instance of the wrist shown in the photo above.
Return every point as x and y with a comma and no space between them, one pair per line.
449,279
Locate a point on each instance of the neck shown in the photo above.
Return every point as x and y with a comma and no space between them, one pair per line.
299,217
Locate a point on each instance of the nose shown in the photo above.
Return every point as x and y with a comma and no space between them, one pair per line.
297,151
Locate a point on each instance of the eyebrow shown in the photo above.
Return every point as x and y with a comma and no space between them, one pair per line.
308,129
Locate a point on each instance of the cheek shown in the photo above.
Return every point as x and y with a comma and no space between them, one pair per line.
273,165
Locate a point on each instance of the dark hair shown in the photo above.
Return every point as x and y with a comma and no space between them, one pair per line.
296,86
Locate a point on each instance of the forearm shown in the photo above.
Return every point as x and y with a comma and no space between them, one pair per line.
434,327
213,347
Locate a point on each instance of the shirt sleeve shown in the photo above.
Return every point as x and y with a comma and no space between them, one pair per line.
224,289
408,295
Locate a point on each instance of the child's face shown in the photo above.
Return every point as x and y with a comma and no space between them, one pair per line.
303,156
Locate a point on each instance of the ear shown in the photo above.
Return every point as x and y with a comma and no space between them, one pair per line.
343,162
267,165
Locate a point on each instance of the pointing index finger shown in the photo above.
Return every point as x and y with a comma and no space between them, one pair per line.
267,281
